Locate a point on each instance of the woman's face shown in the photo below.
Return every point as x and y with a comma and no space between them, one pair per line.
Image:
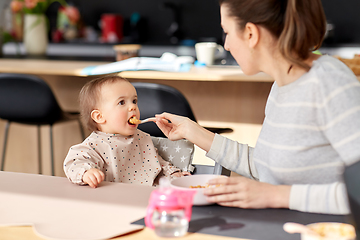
235,41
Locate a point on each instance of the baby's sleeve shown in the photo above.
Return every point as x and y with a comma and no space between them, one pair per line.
167,167
79,159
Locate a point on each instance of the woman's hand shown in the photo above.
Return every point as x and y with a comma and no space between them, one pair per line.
182,127
247,193
93,177
176,128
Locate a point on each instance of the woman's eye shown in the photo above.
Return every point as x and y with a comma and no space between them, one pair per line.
224,36
122,102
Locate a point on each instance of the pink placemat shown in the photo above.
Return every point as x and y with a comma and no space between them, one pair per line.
58,209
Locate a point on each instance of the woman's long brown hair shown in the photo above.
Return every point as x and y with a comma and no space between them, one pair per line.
298,25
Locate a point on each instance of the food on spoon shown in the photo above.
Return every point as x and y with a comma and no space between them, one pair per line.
134,120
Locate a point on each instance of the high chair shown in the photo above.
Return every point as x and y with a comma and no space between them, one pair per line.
156,98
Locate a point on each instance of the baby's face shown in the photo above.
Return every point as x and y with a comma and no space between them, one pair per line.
118,104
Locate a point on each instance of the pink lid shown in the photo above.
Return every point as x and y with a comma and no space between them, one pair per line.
171,199
167,199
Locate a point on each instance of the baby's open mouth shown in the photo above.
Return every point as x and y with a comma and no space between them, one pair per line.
133,120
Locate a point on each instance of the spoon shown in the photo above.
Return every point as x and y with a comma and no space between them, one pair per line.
151,119
292,227
134,120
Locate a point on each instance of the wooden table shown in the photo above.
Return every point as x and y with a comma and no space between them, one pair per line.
73,68
61,210
53,198
27,233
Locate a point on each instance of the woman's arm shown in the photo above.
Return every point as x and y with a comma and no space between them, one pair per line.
232,155
320,198
182,127
247,193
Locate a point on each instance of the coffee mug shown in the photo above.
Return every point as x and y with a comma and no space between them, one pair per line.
207,52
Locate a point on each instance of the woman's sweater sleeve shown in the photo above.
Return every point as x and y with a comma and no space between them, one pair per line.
234,156
320,198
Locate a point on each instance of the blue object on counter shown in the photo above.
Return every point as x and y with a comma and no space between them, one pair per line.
199,64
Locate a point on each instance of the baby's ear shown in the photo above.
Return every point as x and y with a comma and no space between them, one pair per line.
97,116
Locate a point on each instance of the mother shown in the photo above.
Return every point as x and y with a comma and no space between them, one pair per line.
312,126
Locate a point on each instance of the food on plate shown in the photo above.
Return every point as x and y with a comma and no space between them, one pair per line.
334,230
134,120
199,181
199,186
205,186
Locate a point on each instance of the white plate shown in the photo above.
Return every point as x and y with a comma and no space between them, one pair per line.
184,184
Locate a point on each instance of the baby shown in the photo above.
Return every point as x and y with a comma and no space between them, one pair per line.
116,150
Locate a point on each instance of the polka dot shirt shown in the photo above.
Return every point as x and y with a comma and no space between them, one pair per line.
122,159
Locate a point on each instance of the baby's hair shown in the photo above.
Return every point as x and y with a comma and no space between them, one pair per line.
299,25
89,97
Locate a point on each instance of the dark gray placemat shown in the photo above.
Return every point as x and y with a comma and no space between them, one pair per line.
260,224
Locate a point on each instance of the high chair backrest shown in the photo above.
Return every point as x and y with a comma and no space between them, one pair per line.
156,98
180,153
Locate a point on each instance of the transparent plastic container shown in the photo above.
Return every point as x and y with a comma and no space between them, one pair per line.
170,223
169,211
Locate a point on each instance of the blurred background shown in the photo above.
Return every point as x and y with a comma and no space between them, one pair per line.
161,22
173,21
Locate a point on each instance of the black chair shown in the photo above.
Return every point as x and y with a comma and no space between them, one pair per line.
352,183
156,98
29,100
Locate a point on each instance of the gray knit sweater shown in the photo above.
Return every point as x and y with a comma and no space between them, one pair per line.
311,131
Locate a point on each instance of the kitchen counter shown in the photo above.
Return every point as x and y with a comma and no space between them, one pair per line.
224,88
73,68
98,50
106,50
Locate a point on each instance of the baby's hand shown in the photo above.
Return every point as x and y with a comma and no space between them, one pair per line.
180,174
93,177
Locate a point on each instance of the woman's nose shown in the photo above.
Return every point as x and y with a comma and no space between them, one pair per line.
226,46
